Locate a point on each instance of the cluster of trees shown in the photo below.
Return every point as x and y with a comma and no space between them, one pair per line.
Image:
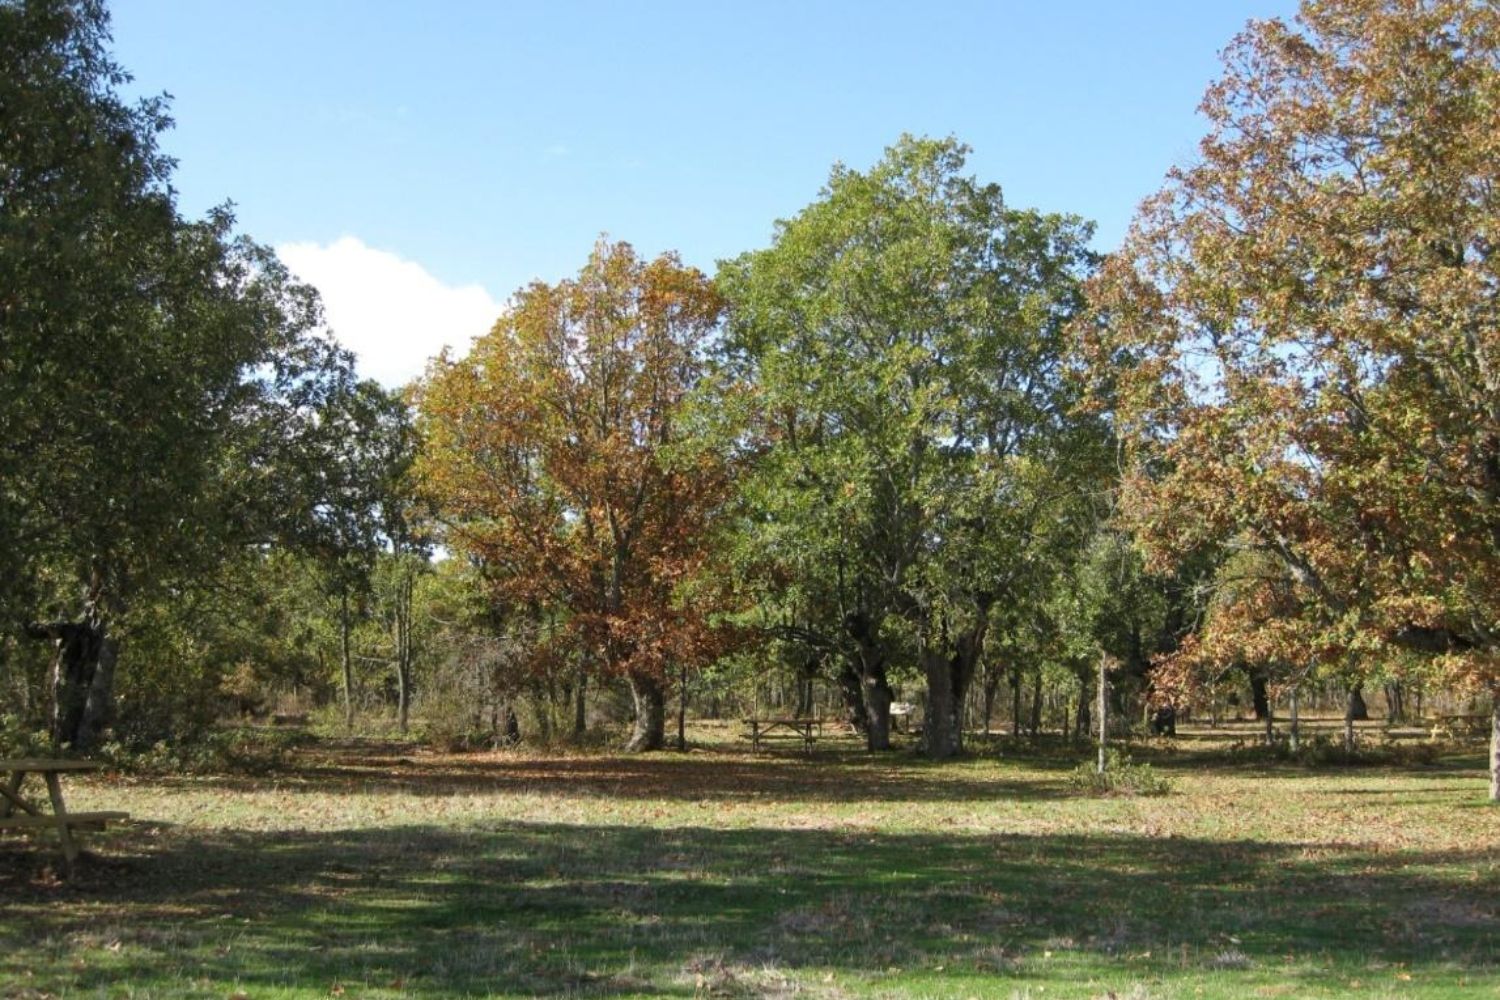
923,437
171,415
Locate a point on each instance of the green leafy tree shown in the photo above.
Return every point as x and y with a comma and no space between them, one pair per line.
904,337
157,375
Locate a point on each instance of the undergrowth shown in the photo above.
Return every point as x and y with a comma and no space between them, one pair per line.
1121,776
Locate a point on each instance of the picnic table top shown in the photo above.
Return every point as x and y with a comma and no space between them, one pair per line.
786,721
48,764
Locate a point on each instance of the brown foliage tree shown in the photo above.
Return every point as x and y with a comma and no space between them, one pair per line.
1302,338
560,455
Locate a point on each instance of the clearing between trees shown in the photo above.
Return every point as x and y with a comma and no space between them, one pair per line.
375,869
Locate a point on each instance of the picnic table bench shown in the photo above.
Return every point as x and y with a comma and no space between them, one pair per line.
19,813
806,730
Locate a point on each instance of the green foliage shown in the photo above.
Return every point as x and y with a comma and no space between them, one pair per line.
166,397
20,738
1121,776
903,338
1322,750
242,750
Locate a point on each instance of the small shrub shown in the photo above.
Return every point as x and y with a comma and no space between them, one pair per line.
18,739
1121,776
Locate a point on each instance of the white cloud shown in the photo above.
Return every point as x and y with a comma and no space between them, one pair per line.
390,312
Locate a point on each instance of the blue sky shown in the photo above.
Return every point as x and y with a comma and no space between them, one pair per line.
421,161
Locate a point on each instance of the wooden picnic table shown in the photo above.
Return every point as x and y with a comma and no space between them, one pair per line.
806,730
19,813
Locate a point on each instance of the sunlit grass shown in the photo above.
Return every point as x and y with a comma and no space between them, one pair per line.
380,870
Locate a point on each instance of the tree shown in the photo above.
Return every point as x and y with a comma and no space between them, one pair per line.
1302,334
354,481
904,335
561,456
157,375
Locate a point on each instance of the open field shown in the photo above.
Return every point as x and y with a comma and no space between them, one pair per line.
380,870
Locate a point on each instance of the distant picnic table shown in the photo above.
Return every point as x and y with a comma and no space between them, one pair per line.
1465,724
19,813
806,730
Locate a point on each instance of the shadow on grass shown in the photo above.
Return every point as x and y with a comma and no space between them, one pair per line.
515,908
825,776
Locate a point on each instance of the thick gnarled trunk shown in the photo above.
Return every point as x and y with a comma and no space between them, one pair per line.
875,688
852,690
649,732
942,734
81,680
949,674
878,697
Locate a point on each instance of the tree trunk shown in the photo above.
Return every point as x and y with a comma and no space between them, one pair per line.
991,688
650,714
877,694
950,673
541,711
1260,697
805,683
1084,723
1036,705
1395,703
1357,710
403,651
852,691
874,686
1295,732
1015,702
348,659
682,708
99,707
1495,743
1270,724
941,737
80,680
580,703
1103,694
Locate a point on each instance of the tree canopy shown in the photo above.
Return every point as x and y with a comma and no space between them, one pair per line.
560,454
904,335
1300,334
164,383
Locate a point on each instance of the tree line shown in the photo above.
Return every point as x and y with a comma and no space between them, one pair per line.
924,439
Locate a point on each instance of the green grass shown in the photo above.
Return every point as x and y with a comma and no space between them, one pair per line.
375,870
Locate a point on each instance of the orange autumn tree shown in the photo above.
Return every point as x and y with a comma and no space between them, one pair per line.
1301,335
561,455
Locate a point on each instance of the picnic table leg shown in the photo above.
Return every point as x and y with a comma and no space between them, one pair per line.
12,794
60,813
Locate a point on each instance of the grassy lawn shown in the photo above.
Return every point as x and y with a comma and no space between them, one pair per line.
380,870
